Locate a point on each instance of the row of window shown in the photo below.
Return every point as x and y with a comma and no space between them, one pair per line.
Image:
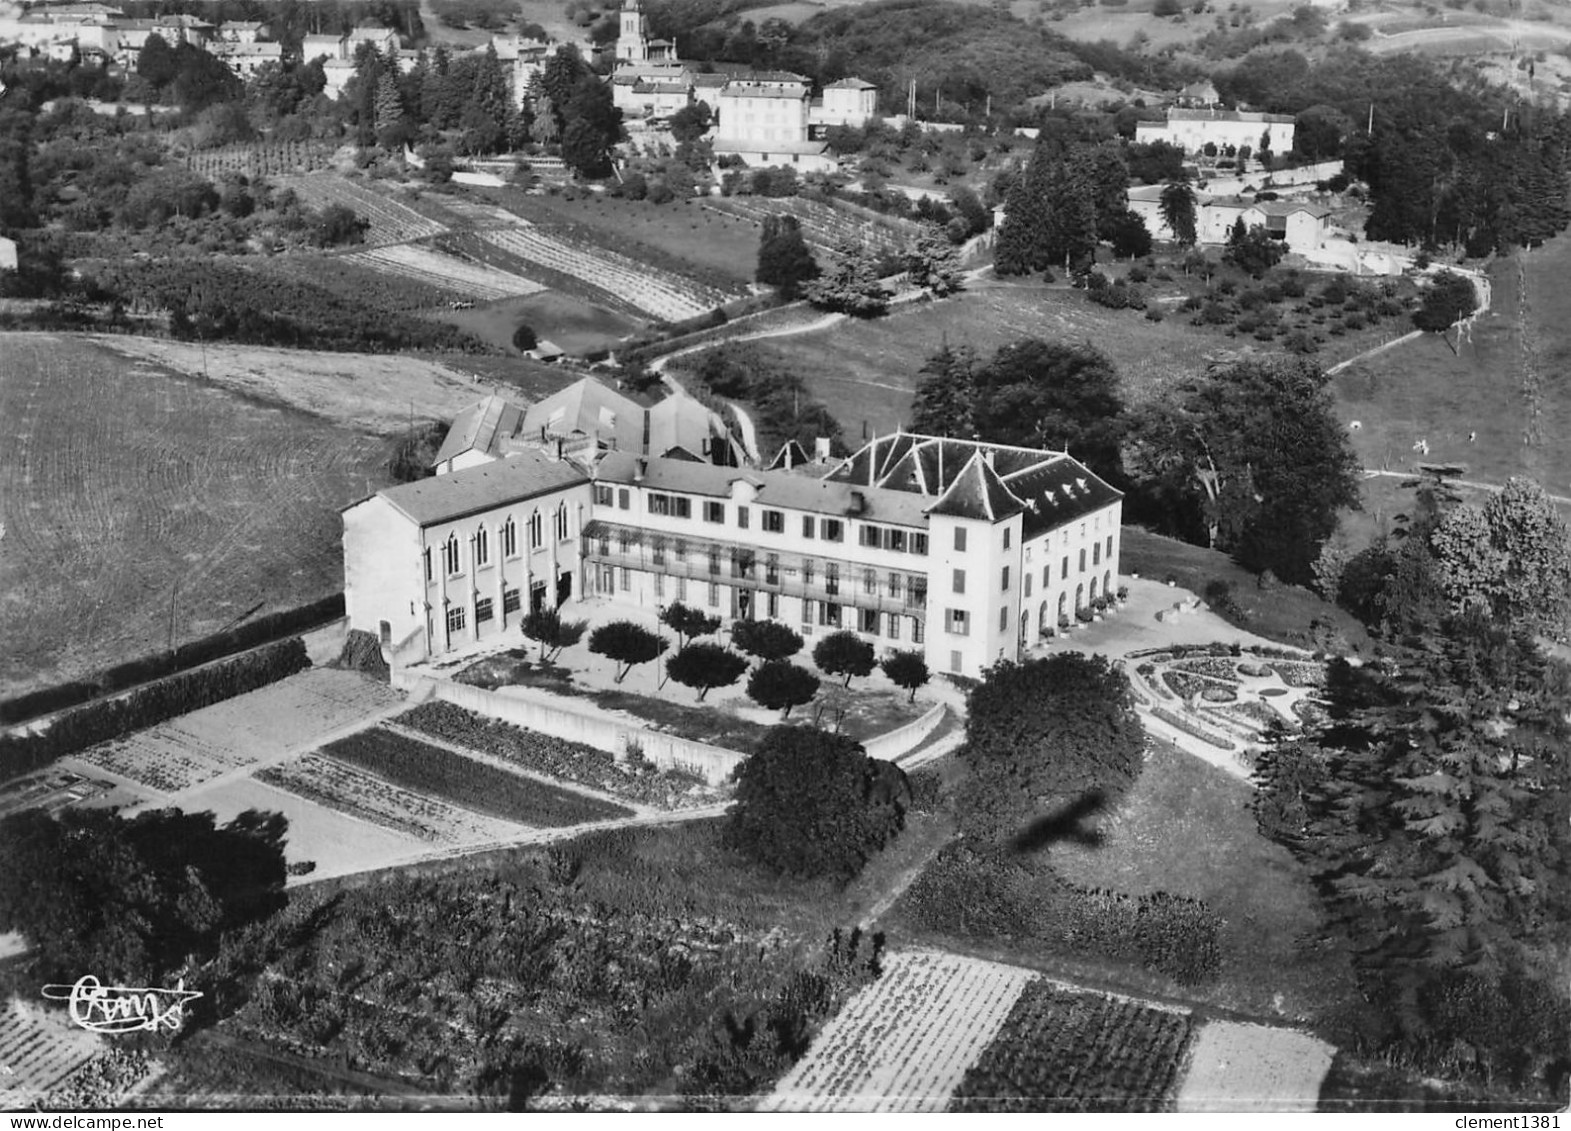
770,521
512,601
480,542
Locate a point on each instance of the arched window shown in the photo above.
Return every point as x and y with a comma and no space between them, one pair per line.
536,531
482,547
510,538
561,523
450,554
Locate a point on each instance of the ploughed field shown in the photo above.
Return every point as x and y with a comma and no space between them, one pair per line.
139,506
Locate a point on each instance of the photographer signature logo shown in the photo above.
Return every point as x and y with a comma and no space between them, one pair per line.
123,1009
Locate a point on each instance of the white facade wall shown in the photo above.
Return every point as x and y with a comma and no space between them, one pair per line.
1192,134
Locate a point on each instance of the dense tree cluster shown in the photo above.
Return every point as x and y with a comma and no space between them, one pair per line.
1061,207
1247,457
1043,736
783,406
132,900
809,803
785,262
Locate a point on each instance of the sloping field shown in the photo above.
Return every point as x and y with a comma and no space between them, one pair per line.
140,507
369,392
823,225
391,222
302,710
904,1043
867,370
660,294
446,272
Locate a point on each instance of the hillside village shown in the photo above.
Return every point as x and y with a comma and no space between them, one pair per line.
903,557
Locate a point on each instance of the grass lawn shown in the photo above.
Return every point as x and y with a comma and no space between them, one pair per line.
866,372
576,325
1285,613
1186,828
1471,408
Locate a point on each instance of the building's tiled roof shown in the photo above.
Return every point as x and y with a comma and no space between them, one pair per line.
1182,115
709,82
778,91
681,421
928,467
791,456
978,493
1288,207
443,498
479,427
851,84
249,49
646,87
590,408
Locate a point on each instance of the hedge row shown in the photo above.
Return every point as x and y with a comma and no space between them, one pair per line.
980,895
150,704
160,664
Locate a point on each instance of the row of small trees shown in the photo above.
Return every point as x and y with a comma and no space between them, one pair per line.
775,683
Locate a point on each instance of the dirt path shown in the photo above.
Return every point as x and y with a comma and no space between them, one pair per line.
1472,484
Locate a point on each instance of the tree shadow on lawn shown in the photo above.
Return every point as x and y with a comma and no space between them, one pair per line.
1186,828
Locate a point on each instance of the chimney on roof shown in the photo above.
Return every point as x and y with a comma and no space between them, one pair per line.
821,449
858,504
639,469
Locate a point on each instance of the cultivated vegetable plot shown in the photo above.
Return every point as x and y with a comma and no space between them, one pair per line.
391,222
449,273
1066,1051
823,225
481,786
260,159
238,732
556,757
660,294
368,797
38,1049
361,282
904,1043
477,214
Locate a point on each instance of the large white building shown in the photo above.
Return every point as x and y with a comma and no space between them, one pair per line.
969,552
1192,129
1302,225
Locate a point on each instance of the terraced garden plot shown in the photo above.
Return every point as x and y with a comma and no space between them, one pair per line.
157,499
905,1042
445,272
479,214
391,222
1064,1051
297,711
476,785
336,785
660,294
824,225
555,757
39,1048
352,278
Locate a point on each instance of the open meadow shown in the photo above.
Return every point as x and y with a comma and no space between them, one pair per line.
866,372
140,506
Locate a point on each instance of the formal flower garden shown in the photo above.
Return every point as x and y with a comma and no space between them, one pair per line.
1226,696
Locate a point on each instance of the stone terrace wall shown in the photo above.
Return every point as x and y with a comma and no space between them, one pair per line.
517,705
904,739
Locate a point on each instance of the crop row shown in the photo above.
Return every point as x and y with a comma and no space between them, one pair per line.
823,226
546,754
445,272
479,786
37,1052
905,1042
357,281
391,222
1192,728
264,159
1060,1050
660,294
348,790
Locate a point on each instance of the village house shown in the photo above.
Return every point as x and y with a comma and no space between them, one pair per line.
1192,129
969,552
1300,224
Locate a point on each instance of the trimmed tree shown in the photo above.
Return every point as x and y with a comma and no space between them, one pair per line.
625,643
703,666
908,670
785,262
547,629
812,804
780,685
1179,211
1043,734
845,653
765,639
687,622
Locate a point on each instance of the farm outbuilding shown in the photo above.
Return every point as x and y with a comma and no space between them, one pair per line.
7,254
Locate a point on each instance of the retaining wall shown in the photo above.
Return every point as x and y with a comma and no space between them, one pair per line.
904,739
521,707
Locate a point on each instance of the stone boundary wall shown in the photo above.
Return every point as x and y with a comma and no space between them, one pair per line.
903,739
518,706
